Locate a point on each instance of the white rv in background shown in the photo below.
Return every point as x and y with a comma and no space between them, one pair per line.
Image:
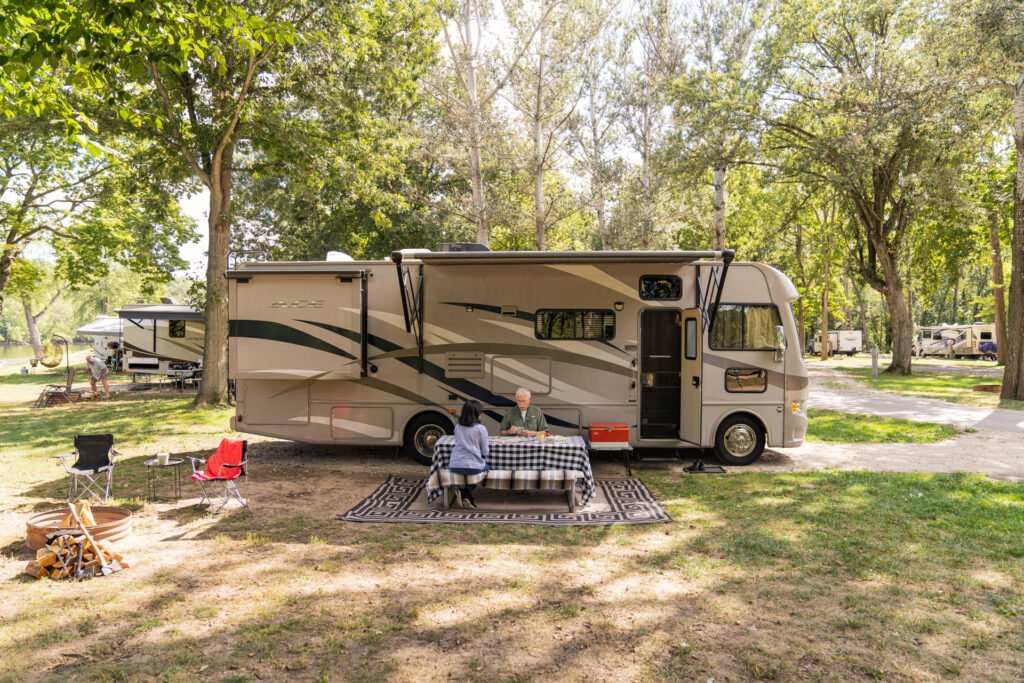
687,348
162,339
105,331
848,342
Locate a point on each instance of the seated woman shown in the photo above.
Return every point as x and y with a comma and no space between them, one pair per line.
470,449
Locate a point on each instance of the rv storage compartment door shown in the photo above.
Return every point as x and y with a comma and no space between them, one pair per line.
298,325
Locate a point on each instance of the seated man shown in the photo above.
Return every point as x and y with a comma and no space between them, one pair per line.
524,419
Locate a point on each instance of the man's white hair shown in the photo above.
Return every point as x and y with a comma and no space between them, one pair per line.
523,392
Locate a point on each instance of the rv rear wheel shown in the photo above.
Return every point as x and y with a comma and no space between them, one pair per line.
421,435
739,441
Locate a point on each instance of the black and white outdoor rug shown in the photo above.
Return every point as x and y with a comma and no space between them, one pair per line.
616,501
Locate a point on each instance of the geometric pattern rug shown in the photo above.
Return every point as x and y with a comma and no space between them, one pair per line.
615,501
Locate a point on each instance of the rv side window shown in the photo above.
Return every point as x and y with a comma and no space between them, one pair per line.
746,327
176,328
664,287
986,336
691,339
574,324
746,380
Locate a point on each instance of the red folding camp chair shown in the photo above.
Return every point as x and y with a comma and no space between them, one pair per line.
227,466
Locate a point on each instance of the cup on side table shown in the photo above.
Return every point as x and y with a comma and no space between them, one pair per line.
162,458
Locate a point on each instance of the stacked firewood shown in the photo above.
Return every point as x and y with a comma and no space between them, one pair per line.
75,554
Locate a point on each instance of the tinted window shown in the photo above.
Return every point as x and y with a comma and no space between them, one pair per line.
986,335
745,326
176,328
746,380
574,324
665,287
691,339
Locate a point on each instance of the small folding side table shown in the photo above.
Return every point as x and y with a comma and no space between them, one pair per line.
153,466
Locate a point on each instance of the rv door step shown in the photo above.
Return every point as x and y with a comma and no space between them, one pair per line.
654,455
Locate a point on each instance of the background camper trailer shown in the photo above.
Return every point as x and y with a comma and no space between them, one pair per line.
936,341
385,352
162,339
848,342
976,341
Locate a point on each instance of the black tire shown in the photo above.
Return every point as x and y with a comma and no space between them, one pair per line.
422,432
740,440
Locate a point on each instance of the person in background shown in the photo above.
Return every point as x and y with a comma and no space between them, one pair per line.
471,447
97,372
523,420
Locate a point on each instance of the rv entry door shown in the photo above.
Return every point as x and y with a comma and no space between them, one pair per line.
692,378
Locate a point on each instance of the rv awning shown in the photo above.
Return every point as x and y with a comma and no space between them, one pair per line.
160,312
298,268
530,257
101,325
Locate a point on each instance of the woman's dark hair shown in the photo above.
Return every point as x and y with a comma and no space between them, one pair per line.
470,413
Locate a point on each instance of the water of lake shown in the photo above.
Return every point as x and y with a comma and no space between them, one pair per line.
13,355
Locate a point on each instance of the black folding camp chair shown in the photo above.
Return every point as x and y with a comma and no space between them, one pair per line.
94,453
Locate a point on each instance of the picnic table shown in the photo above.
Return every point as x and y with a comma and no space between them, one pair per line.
520,462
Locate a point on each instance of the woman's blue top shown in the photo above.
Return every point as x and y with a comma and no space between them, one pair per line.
470,447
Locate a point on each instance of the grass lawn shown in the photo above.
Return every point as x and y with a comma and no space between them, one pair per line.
951,387
798,576
832,425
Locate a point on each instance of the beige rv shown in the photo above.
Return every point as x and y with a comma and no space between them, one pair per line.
162,339
975,341
386,352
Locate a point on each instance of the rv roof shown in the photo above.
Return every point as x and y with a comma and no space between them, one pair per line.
159,312
524,257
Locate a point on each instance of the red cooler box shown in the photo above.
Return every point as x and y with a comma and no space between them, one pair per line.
608,434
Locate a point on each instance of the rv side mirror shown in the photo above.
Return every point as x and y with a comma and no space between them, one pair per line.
780,343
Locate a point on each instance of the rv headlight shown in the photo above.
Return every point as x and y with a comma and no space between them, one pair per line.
797,407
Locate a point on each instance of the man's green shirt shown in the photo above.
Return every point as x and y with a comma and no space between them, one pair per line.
534,421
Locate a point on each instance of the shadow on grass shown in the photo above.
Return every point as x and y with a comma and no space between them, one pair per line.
827,567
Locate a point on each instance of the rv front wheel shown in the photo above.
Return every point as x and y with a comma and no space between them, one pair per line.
421,435
739,441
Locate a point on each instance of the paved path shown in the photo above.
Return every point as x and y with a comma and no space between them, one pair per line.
918,409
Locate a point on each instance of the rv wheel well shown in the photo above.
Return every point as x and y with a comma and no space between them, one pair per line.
432,413
746,413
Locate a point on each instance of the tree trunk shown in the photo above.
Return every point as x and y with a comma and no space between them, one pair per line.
863,314
476,176
539,225
476,173
824,312
33,329
32,322
718,223
955,319
1013,374
215,361
597,171
803,283
998,297
902,321
7,258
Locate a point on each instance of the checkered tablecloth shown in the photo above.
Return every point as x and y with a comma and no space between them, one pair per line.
521,454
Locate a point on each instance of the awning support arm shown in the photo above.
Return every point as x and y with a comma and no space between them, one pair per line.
412,302
713,288
363,322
